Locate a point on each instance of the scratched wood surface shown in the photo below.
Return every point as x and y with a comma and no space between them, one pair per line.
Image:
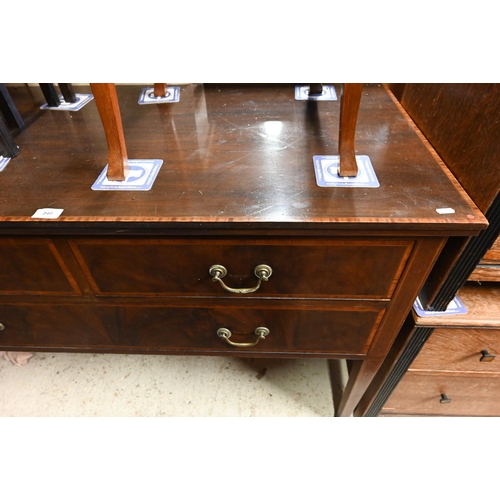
232,154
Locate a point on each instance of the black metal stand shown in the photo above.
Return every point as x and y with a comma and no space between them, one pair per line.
67,92
50,94
315,88
8,108
8,147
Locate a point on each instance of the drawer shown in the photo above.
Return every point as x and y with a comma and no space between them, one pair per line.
341,329
485,273
469,395
460,349
34,266
492,256
300,268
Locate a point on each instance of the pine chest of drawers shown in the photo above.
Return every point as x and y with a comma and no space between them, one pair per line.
457,372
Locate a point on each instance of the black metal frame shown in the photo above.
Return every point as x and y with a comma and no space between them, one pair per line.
8,146
8,108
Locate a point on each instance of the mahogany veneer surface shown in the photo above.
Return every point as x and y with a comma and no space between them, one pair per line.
231,154
420,394
128,271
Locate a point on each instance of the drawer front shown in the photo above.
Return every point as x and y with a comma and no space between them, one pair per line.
335,330
319,268
470,395
35,267
492,256
461,349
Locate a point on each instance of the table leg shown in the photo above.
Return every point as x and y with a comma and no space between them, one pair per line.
360,376
106,101
350,98
160,89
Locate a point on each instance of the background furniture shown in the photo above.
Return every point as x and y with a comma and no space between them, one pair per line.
10,118
457,372
131,271
52,96
461,122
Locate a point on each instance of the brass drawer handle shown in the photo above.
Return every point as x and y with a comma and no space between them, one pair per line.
2,327
444,399
218,272
261,331
486,357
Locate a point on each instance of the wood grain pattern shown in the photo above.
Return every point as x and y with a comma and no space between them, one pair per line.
349,106
235,184
34,266
301,268
236,168
484,273
304,329
471,395
109,110
492,256
460,121
459,350
419,266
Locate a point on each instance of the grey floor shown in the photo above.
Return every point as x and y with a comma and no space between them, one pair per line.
116,385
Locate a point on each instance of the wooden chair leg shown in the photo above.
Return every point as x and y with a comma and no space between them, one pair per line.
67,92
160,89
106,101
350,98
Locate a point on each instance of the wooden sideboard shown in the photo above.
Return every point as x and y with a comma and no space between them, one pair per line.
128,272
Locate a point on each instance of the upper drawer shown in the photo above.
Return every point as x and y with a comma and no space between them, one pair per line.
33,266
333,268
460,349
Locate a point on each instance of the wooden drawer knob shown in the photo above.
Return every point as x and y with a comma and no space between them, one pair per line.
486,357
444,399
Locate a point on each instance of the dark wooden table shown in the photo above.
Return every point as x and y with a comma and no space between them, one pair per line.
129,271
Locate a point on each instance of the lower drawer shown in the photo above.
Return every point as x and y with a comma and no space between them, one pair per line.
334,330
420,393
461,350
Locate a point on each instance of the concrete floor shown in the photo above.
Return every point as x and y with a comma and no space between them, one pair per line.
116,385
